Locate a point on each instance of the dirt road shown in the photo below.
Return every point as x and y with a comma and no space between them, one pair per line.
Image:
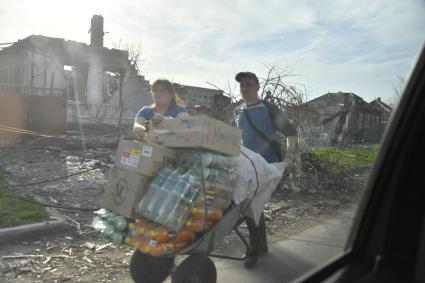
82,256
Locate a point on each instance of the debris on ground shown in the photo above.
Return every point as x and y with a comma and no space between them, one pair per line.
82,256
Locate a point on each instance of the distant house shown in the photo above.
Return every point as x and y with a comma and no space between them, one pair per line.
340,117
193,95
206,101
383,107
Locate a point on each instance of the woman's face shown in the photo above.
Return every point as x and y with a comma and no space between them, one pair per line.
161,96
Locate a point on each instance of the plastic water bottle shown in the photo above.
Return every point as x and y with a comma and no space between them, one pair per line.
215,160
144,205
178,212
218,201
192,194
117,238
120,223
164,198
186,187
169,201
171,178
207,159
108,231
180,215
173,206
147,205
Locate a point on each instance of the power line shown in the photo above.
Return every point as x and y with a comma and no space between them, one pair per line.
49,205
66,137
56,179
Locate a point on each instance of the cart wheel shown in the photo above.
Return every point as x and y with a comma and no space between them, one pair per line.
195,269
148,269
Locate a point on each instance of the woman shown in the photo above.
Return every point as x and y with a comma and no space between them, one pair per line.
166,104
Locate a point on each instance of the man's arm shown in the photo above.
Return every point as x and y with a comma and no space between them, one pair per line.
286,127
281,121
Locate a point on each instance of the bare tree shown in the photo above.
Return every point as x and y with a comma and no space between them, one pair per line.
398,91
134,51
276,88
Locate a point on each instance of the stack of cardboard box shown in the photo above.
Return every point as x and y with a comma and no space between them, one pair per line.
137,162
197,132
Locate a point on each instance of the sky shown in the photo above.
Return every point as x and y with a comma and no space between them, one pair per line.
328,46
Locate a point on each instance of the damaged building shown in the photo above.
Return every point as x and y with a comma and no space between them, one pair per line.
51,85
341,118
54,81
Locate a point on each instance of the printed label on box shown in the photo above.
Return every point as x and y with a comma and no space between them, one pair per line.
130,157
147,150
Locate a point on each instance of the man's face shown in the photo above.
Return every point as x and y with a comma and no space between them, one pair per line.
249,88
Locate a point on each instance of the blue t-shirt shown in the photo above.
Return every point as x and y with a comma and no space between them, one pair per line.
261,119
147,113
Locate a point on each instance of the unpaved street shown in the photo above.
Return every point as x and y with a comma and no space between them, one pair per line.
81,255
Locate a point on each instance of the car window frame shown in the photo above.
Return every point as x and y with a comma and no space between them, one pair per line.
370,225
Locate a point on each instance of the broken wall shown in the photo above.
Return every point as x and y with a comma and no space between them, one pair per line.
12,115
337,117
47,114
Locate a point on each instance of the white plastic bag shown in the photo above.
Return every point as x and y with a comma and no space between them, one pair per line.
255,171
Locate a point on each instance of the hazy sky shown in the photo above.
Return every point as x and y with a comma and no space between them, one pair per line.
351,46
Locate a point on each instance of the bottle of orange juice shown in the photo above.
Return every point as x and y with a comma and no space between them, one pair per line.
142,226
213,214
161,234
198,225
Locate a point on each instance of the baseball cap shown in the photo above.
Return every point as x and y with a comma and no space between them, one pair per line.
249,75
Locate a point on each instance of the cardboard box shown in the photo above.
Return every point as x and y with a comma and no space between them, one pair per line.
143,158
124,191
197,132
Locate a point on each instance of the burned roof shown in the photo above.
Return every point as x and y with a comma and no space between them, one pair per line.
71,52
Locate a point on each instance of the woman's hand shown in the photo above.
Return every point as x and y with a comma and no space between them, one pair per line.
157,119
139,128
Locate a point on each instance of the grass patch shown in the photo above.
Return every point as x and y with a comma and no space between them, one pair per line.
15,212
350,157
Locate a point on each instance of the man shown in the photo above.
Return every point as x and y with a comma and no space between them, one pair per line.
259,121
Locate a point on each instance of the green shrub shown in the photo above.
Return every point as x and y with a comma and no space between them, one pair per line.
14,210
352,157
